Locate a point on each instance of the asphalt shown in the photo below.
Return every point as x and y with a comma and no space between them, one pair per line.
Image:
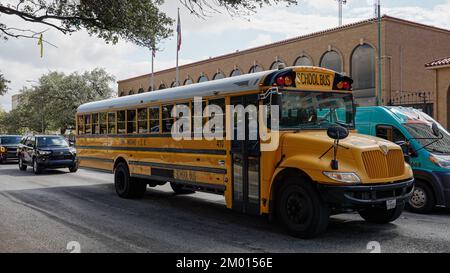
49,212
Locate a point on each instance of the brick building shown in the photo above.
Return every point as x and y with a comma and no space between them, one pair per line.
351,49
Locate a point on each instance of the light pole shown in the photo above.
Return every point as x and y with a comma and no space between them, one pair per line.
380,89
341,3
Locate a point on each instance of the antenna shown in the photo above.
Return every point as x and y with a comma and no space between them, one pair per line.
341,3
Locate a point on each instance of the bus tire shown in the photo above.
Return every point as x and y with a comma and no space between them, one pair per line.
127,187
178,189
301,210
422,200
382,215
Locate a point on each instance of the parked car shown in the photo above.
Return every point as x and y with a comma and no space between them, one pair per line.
426,143
8,148
46,152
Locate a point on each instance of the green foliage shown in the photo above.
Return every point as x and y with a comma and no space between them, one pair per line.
3,85
51,105
139,21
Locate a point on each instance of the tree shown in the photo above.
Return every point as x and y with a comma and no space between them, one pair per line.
139,21
3,85
52,103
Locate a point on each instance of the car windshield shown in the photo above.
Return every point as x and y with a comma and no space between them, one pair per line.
10,140
316,110
426,137
51,142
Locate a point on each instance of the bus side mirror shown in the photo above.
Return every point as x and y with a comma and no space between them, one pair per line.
338,132
436,130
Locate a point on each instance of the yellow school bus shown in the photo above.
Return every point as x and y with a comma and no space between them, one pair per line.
308,164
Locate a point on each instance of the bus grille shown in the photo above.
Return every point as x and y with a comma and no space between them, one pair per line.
380,166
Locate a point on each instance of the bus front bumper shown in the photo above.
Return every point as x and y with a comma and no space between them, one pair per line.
361,196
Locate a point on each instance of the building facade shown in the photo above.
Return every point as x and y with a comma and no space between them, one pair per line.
351,49
441,73
15,101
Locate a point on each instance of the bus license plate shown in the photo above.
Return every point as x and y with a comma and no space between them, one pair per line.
391,204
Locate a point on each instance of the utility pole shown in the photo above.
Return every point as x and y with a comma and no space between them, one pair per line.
341,3
380,68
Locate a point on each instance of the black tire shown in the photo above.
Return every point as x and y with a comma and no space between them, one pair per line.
126,186
178,189
22,166
382,215
36,168
2,161
422,200
301,210
73,169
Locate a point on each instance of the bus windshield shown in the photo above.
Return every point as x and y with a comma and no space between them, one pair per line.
316,110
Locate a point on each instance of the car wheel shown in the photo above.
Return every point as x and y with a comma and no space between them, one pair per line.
36,168
178,189
126,186
22,166
422,199
382,215
301,210
73,169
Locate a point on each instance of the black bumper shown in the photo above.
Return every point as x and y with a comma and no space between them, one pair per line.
57,164
9,156
360,196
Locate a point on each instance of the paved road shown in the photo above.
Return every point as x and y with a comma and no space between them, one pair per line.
44,213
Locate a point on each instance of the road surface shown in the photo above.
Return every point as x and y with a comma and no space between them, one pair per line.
57,211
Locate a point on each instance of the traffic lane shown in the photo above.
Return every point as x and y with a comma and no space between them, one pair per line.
45,218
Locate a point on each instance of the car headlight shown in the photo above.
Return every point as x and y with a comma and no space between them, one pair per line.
441,161
44,152
343,177
2,149
73,151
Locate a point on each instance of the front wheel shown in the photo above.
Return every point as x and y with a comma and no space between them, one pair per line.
22,166
301,209
382,215
36,168
73,169
126,186
422,199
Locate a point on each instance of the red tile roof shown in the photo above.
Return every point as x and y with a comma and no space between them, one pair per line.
440,62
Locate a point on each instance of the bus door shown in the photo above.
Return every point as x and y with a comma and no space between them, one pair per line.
246,160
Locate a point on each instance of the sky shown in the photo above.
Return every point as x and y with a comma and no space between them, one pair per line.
215,35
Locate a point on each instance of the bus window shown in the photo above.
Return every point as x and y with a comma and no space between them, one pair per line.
103,124
220,103
194,115
111,123
154,119
121,126
95,124
131,122
180,114
80,125
87,124
167,120
142,121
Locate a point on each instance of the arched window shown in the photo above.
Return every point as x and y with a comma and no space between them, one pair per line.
122,94
363,69
174,84
141,90
276,64
150,89
188,81
255,68
162,86
218,76
303,61
331,60
236,72
202,78
131,92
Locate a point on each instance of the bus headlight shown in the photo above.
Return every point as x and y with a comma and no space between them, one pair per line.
441,161
343,177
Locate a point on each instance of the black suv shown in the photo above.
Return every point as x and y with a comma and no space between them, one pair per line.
8,148
46,152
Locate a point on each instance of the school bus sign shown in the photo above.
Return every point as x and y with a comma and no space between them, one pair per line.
314,80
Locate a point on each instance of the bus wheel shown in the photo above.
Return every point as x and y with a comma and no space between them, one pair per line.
127,187
422,200
382,215
301,210
178,189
